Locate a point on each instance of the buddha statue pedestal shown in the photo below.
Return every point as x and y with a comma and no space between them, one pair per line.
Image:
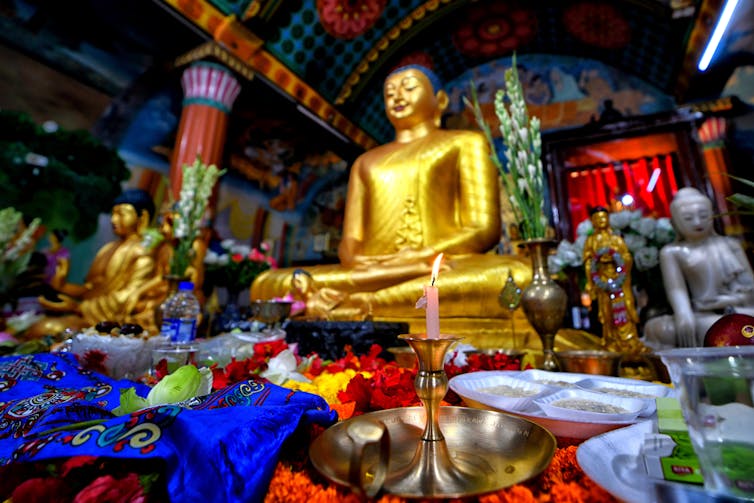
329,338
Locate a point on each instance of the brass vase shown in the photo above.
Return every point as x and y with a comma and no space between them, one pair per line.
544,301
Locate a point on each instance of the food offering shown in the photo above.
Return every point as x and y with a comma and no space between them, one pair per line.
568,404
120,351
648,392
503,391
579,404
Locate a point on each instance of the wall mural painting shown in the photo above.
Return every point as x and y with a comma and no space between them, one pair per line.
293,199
562,91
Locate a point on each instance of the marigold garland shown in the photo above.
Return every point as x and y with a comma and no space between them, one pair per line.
562,482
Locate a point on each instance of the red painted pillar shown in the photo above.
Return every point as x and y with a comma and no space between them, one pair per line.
712,134
209,92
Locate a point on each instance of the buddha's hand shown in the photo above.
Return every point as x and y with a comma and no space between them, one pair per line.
685,331
60,277
406,256
66,304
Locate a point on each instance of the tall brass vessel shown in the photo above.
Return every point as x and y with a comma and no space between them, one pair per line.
544,301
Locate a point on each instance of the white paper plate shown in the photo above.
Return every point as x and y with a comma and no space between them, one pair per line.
479,386
610,387
613,461
576,429
550,404
554,379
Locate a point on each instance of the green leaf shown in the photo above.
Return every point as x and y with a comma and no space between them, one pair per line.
181,385
742,201
129,402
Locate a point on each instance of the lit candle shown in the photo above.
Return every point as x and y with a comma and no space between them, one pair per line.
432,294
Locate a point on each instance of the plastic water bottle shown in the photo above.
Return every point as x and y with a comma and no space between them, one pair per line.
180,314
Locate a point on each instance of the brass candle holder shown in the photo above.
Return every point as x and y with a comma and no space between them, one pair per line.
433,472
432,451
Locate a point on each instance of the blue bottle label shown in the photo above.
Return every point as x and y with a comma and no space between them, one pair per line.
179,330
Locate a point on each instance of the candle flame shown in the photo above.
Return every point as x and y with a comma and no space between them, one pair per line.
436,269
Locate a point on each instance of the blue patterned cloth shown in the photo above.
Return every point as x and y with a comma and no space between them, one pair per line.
223,447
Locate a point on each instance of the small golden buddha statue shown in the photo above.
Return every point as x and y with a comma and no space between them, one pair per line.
113,286
608,263
428,191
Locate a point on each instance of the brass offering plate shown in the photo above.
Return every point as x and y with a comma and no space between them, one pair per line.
490,450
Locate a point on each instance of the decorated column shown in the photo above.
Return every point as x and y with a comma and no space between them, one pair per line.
209,92
712,134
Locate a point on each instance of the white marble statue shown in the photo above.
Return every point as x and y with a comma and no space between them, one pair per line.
705,275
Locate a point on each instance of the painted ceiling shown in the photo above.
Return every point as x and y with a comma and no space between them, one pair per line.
326,59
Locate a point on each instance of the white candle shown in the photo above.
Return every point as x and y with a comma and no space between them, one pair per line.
432,294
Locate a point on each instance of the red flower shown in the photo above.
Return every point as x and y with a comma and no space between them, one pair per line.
107,489
94,360
236,257
76,462
358,390
388,388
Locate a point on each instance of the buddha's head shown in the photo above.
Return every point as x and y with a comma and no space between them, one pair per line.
302,282
56,238
132,211
691,214
600,218
413,95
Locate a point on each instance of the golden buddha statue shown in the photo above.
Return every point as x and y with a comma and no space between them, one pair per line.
607,264
113,286
428,191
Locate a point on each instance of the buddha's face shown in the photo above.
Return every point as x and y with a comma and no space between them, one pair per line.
124,219
693,219
301,283
409,98
601,220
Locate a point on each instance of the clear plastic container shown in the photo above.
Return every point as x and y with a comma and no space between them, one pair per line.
180,314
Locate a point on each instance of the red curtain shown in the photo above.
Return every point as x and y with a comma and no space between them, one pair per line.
650,181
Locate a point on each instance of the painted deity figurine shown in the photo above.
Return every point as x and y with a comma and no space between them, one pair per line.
428,191
704,274
116,275
607,263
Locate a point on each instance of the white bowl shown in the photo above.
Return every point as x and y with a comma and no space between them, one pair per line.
125,356
549,405
647,392
480,387
552,379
